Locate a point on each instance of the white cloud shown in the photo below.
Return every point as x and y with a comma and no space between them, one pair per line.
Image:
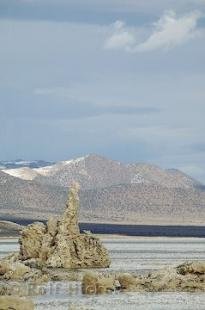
169,31
121,38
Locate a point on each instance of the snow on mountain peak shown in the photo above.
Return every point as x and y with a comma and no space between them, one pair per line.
23,173
75,161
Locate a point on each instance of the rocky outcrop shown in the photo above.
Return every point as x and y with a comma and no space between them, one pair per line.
15,303
94,283
59,243
188,277
11,268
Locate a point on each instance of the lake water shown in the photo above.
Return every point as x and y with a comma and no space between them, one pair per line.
136,254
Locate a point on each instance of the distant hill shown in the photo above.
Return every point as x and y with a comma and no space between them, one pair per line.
144,204
26,199
110,192
8,229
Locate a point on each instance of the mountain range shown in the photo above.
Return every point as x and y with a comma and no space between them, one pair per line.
111,191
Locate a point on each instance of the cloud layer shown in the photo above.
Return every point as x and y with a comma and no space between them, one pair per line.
169,31
63,94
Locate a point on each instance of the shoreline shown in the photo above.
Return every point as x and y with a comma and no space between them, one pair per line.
7,230
142,222
115,237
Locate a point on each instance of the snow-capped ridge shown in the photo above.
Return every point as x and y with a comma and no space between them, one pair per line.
23,173
95,171
50,170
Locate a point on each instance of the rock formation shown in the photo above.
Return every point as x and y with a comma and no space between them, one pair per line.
188,277
15,303
59,243
93,283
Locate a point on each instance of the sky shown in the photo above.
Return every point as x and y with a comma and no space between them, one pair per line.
123,79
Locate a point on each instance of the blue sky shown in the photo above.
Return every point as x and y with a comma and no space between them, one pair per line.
125,79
